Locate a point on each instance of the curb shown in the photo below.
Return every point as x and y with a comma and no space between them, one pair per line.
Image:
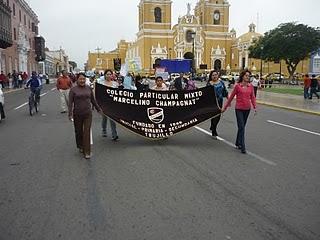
288,108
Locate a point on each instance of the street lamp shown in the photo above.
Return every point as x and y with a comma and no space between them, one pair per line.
261,48
193,36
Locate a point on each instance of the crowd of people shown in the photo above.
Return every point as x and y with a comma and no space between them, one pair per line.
17,79
77,98
81,101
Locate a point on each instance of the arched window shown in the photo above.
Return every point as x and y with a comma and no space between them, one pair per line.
157,15
216,17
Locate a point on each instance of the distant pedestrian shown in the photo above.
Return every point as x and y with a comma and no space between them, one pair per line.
221,92
178,83
2,104
255,82
3,79
306,86
80,99
107,81
15,79
64,84
313,87
20,80
245,98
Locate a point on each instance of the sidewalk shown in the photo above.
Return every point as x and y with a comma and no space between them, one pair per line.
290,102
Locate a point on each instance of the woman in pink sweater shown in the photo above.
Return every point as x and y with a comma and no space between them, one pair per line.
245,98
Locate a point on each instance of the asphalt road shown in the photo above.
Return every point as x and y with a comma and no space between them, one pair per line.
187,187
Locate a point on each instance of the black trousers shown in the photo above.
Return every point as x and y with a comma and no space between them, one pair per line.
242,117
2,111
82,126
215,121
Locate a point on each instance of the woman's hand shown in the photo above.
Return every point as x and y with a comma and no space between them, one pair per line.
71,118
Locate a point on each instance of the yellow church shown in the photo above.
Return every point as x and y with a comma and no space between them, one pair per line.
203,36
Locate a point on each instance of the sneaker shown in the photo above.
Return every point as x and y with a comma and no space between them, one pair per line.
115,138
238,147
63,111
80,150
215,137
104,134
243,151
87,156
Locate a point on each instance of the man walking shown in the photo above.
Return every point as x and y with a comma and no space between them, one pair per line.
63,85
306,84
313,87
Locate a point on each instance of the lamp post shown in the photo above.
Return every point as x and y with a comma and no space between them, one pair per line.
193,36
261,48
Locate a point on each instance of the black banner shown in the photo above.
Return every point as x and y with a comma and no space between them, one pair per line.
157,114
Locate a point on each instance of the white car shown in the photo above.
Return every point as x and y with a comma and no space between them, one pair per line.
1,103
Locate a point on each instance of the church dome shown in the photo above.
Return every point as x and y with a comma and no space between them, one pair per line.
249,36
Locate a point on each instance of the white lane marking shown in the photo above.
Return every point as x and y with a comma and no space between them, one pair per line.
232,145
53,89
21,106
24,104
288,126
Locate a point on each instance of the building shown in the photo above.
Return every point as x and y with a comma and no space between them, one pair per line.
5,26
21,55
56,61
100,61
315,63
203,37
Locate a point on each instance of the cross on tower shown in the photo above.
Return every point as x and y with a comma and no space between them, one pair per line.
98,50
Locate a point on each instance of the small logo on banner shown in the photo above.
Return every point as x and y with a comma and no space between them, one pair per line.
156,115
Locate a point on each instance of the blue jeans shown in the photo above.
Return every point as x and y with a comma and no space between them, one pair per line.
242,117
112,124
306,93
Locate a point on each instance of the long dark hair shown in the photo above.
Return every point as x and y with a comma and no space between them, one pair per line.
81,74
240,80
210,75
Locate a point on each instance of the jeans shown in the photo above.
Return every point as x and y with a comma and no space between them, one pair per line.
215,121
306,92
112,124
242,117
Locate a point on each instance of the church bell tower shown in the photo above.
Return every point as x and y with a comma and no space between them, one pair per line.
155,36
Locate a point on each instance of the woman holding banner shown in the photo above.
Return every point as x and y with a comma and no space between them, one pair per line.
80,100
107,81
245,98
221,92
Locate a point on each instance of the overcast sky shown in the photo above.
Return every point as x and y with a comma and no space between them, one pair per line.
80,26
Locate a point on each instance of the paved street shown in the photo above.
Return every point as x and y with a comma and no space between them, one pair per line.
187,187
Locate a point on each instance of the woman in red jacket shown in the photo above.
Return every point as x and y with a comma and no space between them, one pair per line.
245,98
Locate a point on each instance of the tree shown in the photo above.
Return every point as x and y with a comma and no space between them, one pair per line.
290,42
